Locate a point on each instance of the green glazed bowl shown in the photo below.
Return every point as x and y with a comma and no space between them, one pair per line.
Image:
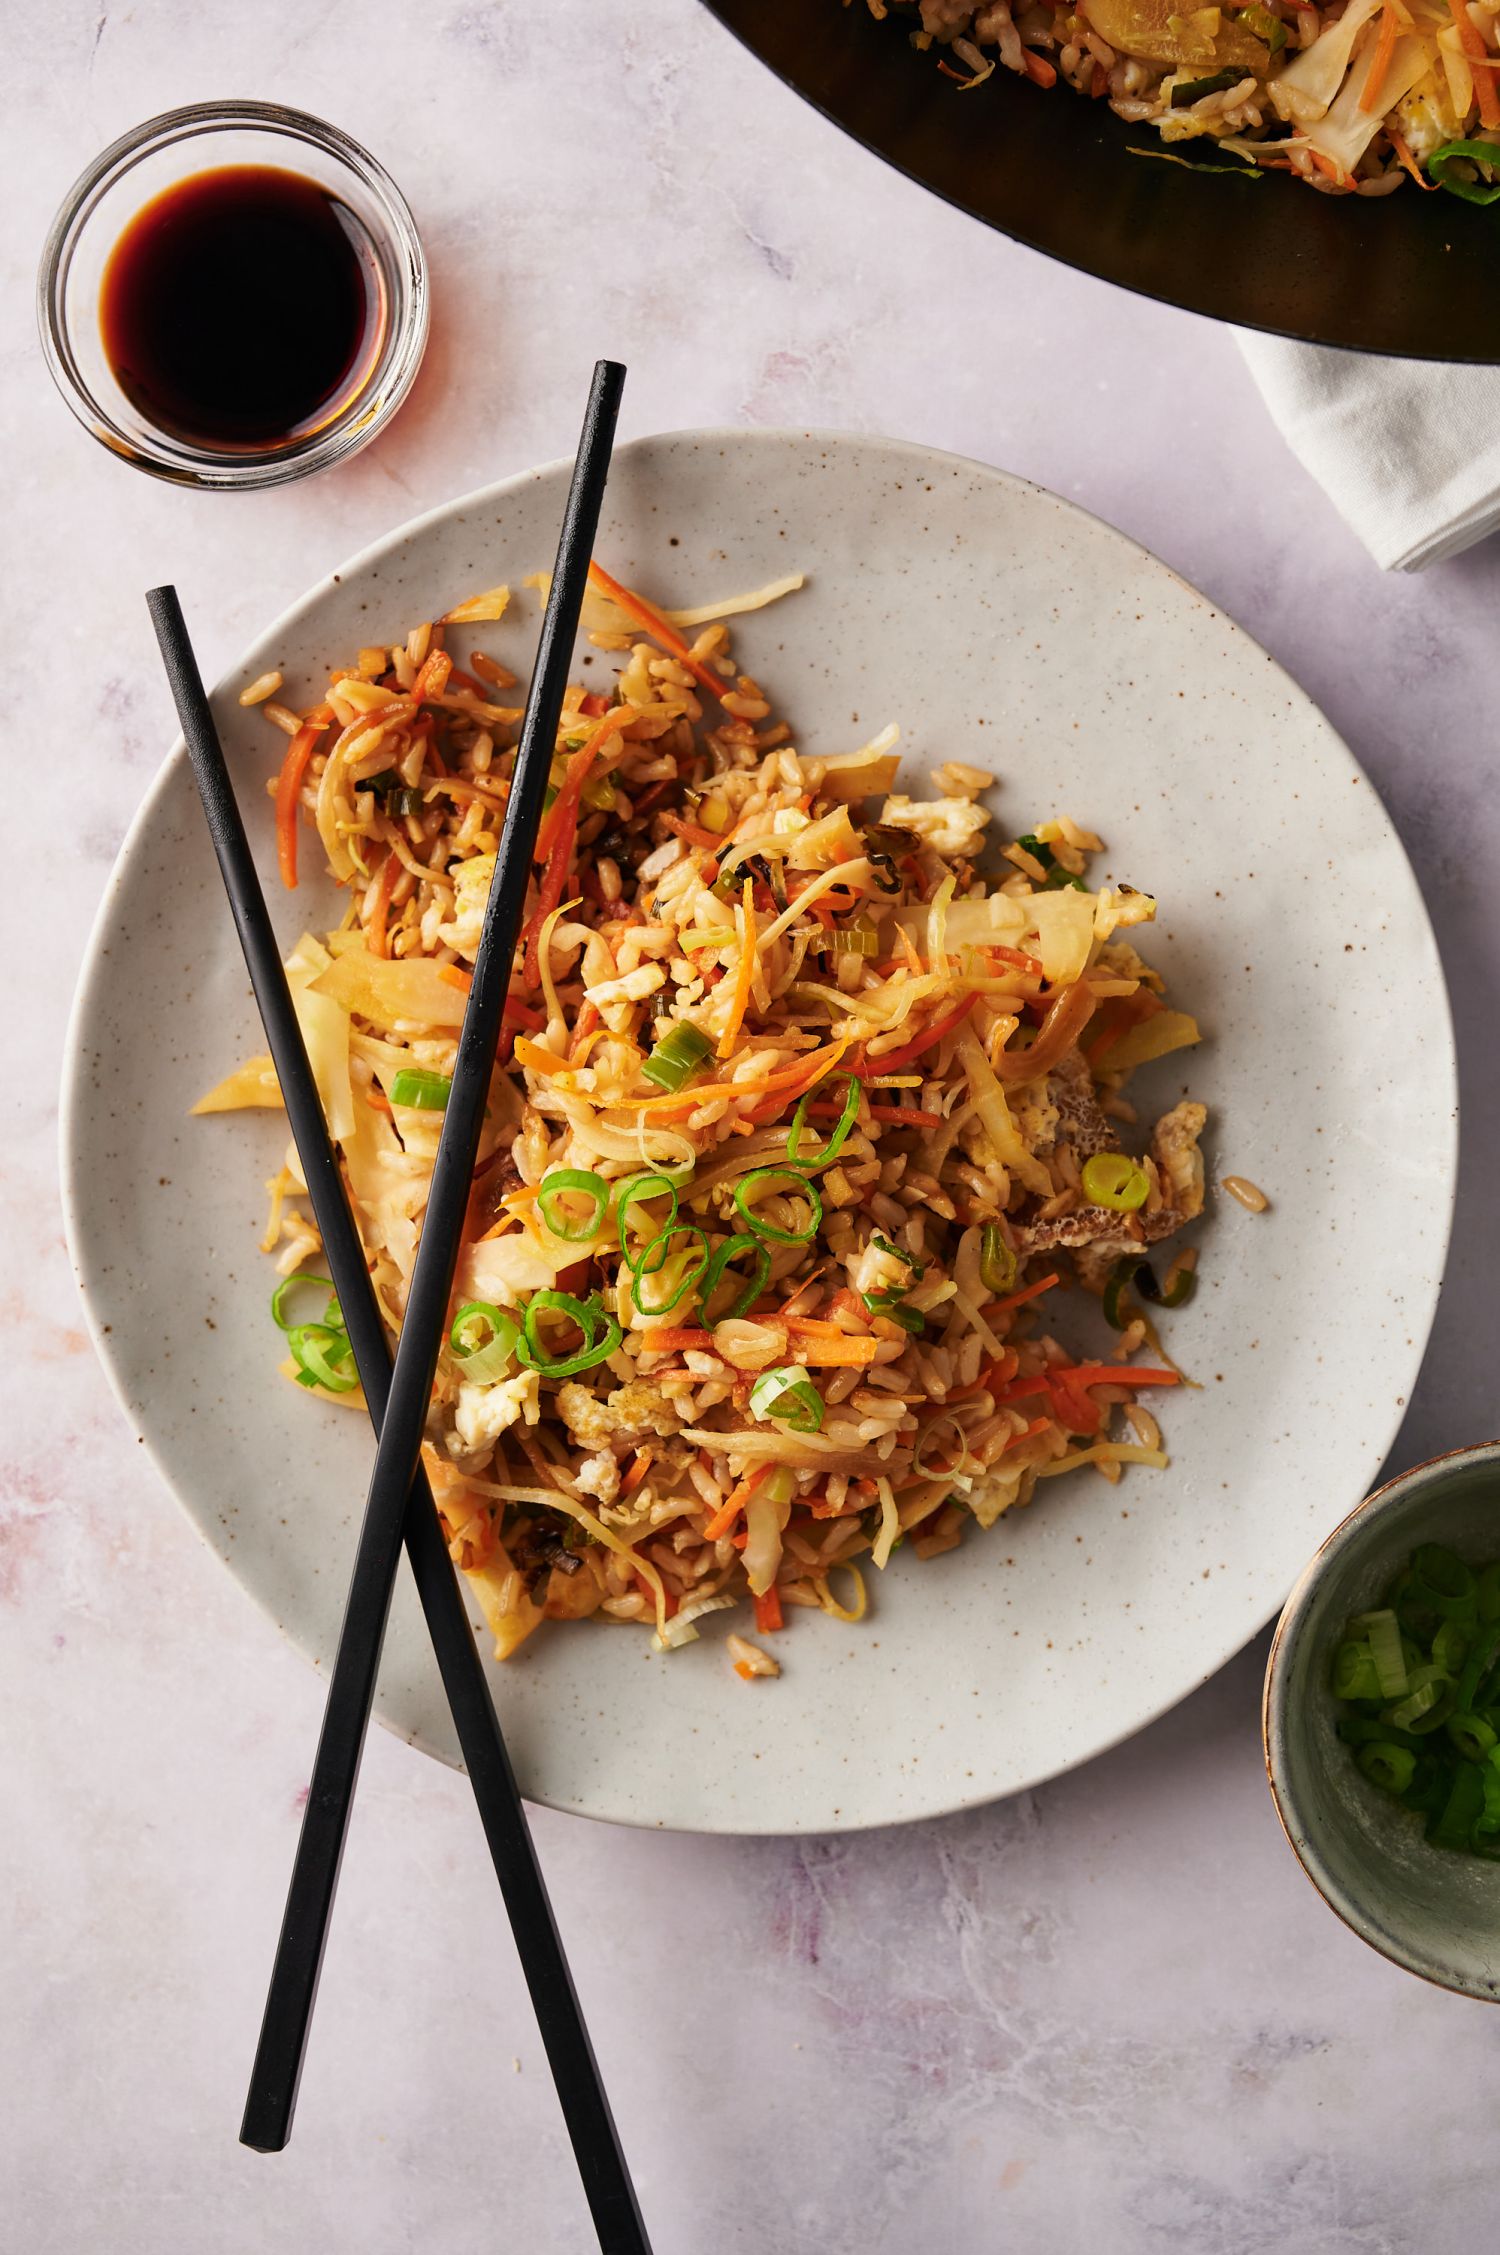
1429,1909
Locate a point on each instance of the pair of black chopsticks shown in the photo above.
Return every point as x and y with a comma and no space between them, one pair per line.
399,1506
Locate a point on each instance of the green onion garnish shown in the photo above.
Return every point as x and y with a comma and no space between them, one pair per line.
1194,89
858,938
836,1140
332,1316
1110,1179
679,1054
564,1221
910,1319
602,1335
483,1340
801,1187
1354,1674
789,1396
719,1260
646,1266
1441,161
1390,1767
997,1262
636,1189
1434,1742
421,1091
1265,26
323,1357
1384,1638
1134,1273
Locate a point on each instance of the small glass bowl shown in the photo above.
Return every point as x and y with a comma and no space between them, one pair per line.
156,156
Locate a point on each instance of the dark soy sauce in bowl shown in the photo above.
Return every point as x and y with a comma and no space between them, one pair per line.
244,309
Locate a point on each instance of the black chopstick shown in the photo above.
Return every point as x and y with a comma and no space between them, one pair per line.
268,2115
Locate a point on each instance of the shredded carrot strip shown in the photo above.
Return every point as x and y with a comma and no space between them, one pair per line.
1409,163
768,1611
1485,92
891,1059
376,934
288,791
790,1080
734,1503
1385,47
1018,1299
1037,68
813,1327
378,1101
540,1060
996,1375
692,834
1037,1425
744,972
657,627
432,679
640,1466
842,1354
674,1338
1327,166
452,976
913,960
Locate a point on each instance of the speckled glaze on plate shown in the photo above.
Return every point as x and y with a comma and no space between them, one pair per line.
1001,625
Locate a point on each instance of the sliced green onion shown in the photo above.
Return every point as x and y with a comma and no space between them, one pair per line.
1450,1647
406,801
483,1339
1427,1704
1454,1824
1194,89
577,1182
1466,152
421,1091
858,938
1112,1180
1440,1577
910,1319
1385,1651
1363,1730
1471,1735
635,1190
647,1267
1354,1674
1265,26
780,1485
801,1187
679,1054
323,1357
713,1275
602,1335
1134,1273
997,1261
288,1284
1390,1767
789,1396
1487,1594
836,1140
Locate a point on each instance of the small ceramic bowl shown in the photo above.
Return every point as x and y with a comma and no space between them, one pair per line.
1429,1909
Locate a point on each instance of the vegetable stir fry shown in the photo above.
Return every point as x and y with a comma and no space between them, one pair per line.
798,1119
1351,96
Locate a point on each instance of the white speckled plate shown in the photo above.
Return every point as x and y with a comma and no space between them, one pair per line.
1001,625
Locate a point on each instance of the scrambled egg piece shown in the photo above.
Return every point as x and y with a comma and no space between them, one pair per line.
950,826
482,1413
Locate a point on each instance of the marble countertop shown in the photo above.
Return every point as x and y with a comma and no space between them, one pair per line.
1109,2014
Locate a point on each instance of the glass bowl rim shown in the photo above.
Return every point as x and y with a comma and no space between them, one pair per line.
358,422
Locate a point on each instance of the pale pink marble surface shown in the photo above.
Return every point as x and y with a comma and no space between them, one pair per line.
1111,2015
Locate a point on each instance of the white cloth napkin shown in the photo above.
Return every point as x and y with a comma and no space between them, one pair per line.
1408,451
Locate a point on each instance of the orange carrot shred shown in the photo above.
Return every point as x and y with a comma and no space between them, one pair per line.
288,791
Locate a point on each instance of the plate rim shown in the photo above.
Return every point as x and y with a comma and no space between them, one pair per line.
72,1091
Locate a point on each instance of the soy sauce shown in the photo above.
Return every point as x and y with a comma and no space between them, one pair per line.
242,309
